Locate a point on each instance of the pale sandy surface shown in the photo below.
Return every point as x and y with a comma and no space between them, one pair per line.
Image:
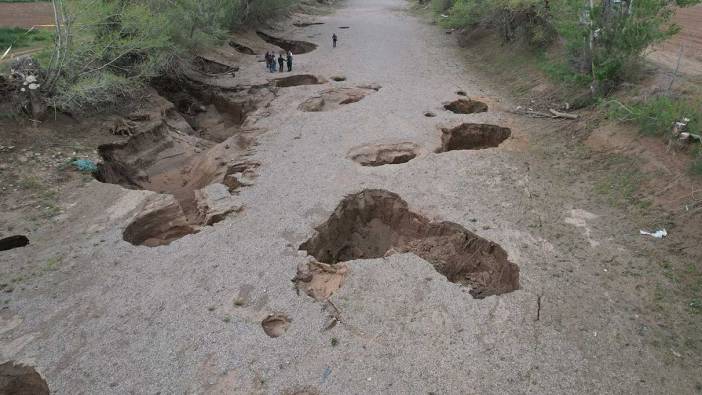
118,319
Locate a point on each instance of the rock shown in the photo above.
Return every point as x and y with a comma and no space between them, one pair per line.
373,86
313,105
214,203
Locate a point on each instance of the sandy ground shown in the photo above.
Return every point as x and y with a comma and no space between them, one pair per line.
108,317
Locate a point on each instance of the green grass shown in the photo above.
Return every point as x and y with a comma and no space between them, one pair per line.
621,182
18,37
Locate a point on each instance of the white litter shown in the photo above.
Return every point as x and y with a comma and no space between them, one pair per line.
6,52
659,234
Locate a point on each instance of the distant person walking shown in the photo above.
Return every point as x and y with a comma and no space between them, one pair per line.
335,39
281,62
289,60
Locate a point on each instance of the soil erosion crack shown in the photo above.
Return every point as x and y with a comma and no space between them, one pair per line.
296,47
376,223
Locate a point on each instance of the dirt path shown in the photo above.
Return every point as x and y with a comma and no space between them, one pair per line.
689,41
216,311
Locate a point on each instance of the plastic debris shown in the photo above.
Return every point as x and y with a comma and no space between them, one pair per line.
85,165
325,375
659,234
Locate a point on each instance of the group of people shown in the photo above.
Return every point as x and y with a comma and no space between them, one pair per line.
287,60
282,61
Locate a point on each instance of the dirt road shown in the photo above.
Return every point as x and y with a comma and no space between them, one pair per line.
533,287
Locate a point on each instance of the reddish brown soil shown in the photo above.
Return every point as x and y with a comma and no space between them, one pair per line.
376,223
26,14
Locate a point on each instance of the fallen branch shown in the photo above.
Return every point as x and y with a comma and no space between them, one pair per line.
559,114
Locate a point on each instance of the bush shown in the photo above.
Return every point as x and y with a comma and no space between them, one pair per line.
117,46
602,42
656,116
522,20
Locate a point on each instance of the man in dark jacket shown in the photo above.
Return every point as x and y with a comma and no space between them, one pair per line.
281,62
289,60
334,39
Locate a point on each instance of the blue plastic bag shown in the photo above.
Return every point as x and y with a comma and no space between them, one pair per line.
85,165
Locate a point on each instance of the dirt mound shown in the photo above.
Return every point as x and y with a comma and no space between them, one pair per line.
242,48
376,223
332,99
384,154
275,325
209,66
470,136
297,80
9,243
296,47
16,379
466,106
320,280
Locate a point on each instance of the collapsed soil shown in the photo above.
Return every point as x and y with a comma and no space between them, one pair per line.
209,66
466,106
242,48
384,154
332,99
374,223
472,136
298,80
18,379
275,325
294,46
167,154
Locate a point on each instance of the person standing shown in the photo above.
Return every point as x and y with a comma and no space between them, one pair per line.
271,62
281,62
334,39
289,61
268,61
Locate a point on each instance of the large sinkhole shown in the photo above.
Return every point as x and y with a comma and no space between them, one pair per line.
375,223
242,48
472,136
213,113
196,177
298,80
296,47
17,379
466,106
